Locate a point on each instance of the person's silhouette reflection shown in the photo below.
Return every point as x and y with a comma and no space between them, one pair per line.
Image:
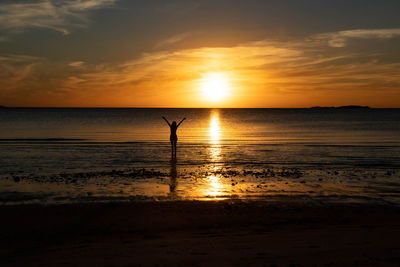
173,183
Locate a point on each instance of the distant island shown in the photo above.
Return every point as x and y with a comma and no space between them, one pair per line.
342,107
2,106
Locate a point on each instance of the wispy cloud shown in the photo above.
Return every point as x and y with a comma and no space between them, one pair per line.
173,40
17,73
261,74
76,64
61,16
339,39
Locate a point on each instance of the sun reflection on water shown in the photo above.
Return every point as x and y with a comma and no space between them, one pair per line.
215,187
215,137
215,129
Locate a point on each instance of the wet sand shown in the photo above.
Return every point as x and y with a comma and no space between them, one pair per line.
281,232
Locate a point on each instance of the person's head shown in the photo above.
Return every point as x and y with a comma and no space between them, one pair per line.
174,123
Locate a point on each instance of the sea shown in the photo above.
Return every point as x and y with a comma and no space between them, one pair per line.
68,155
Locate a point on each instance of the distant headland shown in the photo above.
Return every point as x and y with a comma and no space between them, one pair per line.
342,107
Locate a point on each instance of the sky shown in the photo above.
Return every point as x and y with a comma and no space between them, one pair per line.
192,53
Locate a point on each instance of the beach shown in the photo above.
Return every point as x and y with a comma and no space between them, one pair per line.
274,187
281,232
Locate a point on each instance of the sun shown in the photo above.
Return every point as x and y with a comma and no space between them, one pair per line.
215,86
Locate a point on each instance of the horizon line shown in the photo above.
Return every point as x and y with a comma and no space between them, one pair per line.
100,107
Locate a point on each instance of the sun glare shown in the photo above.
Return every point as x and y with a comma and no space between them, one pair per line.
215,86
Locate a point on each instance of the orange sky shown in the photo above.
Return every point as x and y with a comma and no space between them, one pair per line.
226,67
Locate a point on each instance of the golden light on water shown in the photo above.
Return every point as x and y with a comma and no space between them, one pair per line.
215,137
215,187
215,129
215,86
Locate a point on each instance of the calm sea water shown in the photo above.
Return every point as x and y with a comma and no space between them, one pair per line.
124,154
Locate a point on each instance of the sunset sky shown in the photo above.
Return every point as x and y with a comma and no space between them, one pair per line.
216,53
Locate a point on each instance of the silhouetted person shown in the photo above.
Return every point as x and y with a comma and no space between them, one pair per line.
173,137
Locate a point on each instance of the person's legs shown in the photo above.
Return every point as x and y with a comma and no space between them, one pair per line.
175,148
172,149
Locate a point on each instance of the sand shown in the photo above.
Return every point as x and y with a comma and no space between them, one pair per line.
200,233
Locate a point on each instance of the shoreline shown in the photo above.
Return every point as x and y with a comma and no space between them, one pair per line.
200,233
185,183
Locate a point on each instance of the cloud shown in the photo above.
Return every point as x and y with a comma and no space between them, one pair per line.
16,73
339,39
61,16
173,40
263,73
76,64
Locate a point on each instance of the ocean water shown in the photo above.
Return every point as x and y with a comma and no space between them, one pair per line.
79,155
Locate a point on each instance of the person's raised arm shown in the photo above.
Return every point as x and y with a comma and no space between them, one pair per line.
181,122
166,121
